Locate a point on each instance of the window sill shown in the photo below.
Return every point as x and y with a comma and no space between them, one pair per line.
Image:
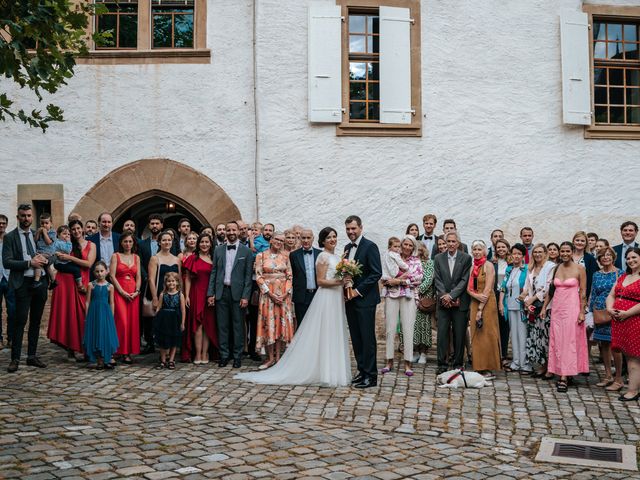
138,57
604,132
378,130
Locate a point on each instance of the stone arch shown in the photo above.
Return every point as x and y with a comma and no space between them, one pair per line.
136,181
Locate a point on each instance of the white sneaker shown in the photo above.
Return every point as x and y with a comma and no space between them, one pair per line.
416,356
423,358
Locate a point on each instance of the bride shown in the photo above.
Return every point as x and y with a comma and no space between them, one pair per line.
319,351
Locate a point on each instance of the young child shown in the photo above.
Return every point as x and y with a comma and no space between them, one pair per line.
392,263
100,337
169,321
45,239
63,245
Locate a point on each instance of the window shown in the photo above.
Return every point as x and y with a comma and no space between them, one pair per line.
172,24
45,198
364,78
121,21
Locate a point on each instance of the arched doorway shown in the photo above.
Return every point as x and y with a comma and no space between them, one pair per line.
163,186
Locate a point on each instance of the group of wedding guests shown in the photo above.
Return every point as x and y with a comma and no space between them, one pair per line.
237,289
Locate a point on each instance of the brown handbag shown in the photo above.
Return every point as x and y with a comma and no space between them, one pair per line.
426,304
601,317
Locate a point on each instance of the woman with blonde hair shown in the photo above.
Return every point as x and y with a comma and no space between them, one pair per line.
582,257
290,240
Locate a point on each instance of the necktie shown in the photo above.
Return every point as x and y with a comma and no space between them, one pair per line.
231,247
30,251
307,252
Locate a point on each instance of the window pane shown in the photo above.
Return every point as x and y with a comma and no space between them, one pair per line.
614,50
633,115
357,111
614,32
374,111
128,31
600,50
184,31
631,51
357,71
356,23
633,96
374,44
162,31
630,33
374,71
107,23
633,77
615,76
616,96
599,76
374,91
601,115
598,31
373,24
358,91
600,95
356,43
617,115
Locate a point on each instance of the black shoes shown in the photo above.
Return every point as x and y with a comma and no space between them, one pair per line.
255,357
237,363
13,366
358,378
36,362
223,362
367,382
36,285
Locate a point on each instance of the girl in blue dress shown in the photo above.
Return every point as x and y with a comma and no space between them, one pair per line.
100,337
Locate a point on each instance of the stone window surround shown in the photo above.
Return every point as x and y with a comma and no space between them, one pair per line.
27,193
144,54
609,132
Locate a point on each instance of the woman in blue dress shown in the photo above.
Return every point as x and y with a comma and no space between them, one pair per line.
603,282
100,337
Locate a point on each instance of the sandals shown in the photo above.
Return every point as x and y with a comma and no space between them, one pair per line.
562,386
605,383
614,387
622,398
160,366
386,370
171,365
408,373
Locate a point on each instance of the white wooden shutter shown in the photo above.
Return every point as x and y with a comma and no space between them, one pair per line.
395,65
325,63
576,84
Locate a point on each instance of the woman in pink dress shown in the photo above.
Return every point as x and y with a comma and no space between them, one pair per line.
200,333
623,304
66,322
127,281
568,351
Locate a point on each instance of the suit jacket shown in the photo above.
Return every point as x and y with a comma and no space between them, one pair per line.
367,284
240,275
300,273
434,249
456,284
620,263
95,239
13,258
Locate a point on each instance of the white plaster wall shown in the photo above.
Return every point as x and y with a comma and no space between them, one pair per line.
494,151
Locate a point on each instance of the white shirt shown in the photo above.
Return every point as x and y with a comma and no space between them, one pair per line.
352,252
309,269
26,257
106,248
229,259
4,273
429,243
452,261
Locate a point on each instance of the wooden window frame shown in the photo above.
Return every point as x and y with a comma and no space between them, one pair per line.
117,32
173,28
145,54
608,13
375,129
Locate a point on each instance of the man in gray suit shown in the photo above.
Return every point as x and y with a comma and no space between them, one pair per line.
20,257
451,275
229,290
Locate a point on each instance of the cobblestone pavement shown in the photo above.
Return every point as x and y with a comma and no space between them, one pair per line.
137,422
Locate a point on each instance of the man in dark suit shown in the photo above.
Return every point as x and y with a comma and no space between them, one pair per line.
19,256
449,226
361,309
496,235
628,232
106,240
229,290
429,238
451,275
303,266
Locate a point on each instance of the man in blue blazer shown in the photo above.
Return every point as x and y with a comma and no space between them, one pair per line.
361,309
106,240
303,266
628,232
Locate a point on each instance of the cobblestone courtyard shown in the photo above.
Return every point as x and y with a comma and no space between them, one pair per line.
137,422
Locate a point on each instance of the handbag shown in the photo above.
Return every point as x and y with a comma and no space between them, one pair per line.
147,303
426,304
602,317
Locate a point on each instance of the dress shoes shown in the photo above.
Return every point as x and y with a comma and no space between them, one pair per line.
13,366
223,362
367,382
357,379
237,363
36,362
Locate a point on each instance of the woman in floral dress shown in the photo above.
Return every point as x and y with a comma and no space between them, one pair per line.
422,328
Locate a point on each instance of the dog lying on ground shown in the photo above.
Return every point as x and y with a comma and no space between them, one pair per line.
461,379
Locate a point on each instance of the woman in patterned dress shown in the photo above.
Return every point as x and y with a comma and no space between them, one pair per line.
422,328
275,313
623,304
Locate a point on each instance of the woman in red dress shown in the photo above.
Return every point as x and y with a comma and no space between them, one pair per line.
126,281
66,322
623,304
200,333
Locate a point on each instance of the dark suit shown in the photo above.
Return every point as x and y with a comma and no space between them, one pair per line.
361,311
302,293
455,285
620,262
229,315
434,249
95,238
29,302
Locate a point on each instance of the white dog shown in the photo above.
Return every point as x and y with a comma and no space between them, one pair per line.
461,378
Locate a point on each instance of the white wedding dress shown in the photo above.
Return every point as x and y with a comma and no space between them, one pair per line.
319,351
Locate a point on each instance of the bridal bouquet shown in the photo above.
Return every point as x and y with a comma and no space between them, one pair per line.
348,269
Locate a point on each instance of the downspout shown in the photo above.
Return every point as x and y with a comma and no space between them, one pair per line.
256,158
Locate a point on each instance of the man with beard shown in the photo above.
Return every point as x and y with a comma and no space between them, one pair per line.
184,228
243,233
221,236
19,256
261,242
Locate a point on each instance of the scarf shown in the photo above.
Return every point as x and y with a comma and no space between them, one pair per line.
477,265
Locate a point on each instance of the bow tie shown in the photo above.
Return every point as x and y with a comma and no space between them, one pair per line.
307,252
231,247
353,245
427,238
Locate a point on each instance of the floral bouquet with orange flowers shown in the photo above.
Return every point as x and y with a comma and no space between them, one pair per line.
348,269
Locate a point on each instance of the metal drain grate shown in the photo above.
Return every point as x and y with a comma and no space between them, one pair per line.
588,452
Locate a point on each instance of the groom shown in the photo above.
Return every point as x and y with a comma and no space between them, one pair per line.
361,308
